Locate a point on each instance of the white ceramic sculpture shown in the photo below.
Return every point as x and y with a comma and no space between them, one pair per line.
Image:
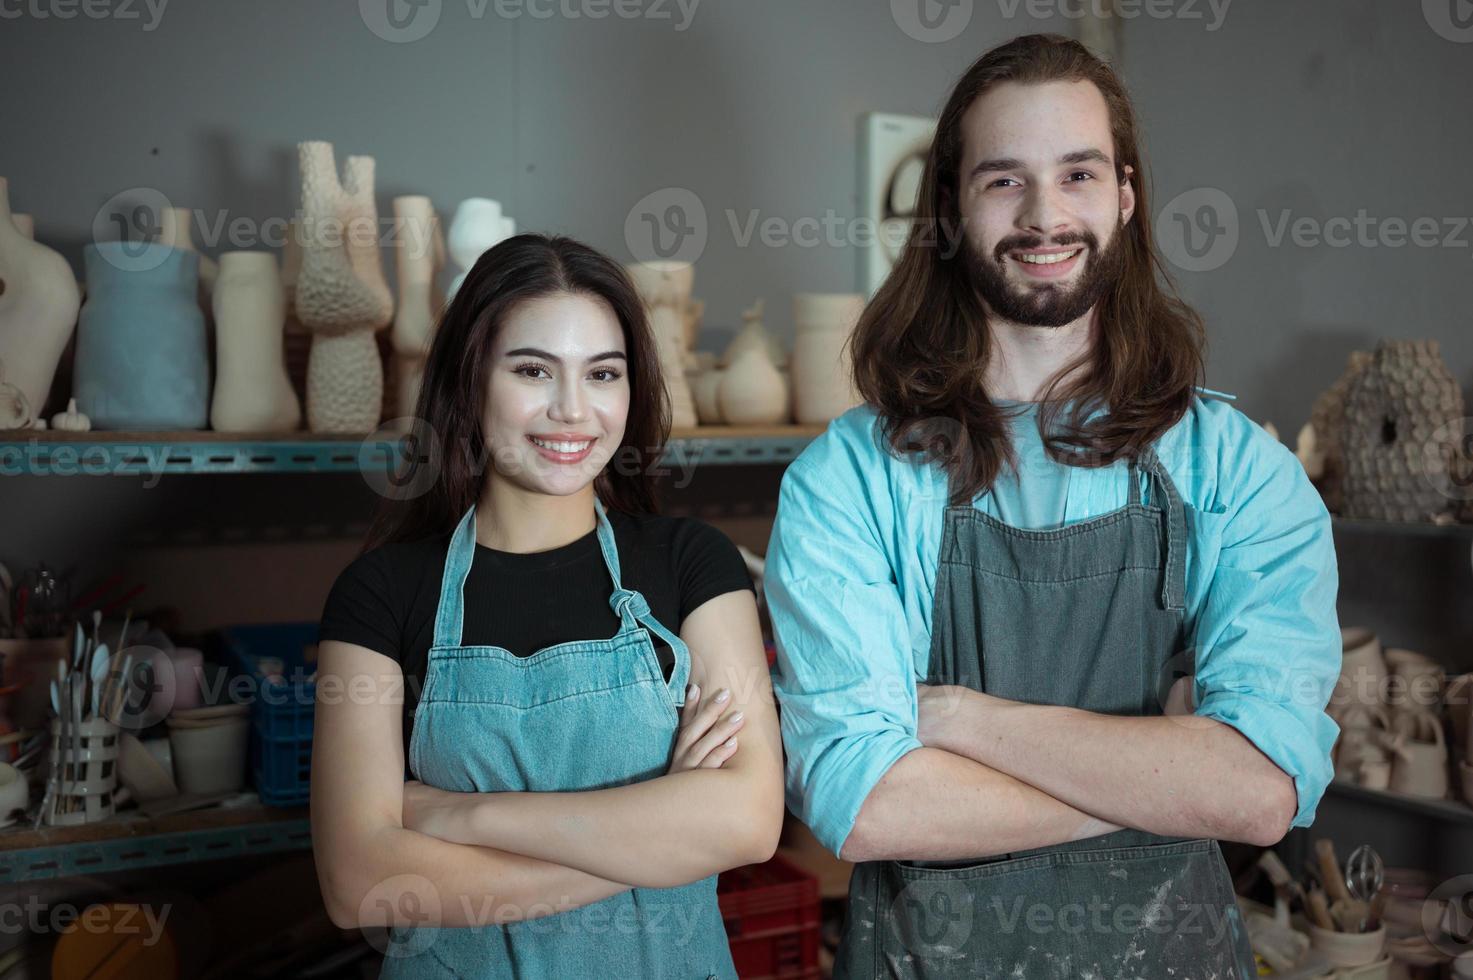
477,226
753,334
705,387
252,391
823,382
39,299
665,288
752,392
419,253
341,296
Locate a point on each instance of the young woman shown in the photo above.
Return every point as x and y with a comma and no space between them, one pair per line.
564,673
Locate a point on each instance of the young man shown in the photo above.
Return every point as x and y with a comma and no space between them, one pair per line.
985,580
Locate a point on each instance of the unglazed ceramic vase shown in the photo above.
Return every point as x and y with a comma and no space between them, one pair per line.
665,288
341,296
39,300
252,390
477,227
176,231
1417,681
823,382
754,335
705,387
1362,672
142,360
419,252
752,392
1420,764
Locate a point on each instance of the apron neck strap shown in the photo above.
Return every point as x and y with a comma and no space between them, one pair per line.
1164,495
450,614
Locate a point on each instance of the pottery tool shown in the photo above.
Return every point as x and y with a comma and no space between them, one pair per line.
1319,910
1331,875
95,677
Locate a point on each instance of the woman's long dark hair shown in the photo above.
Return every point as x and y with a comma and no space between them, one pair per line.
452,394
922,343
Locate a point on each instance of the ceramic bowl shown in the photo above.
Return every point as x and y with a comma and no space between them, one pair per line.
210,759
1348,948
141,773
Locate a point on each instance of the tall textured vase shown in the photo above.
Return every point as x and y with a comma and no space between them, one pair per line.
142,361
341,296
252,390
1402,403
665,289
419,252
823,383
38,308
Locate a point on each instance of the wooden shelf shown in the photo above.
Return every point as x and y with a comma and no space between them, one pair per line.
1452,811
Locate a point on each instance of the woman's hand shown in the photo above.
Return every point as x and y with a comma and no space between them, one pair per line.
707,738
437,812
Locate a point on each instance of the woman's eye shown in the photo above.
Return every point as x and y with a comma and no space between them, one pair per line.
530,370
605,374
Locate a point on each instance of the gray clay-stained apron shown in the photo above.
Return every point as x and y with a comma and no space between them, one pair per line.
1090,615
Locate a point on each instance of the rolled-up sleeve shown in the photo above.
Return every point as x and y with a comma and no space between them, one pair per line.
846,687
1267,635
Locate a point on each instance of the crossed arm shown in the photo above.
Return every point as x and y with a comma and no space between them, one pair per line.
388,850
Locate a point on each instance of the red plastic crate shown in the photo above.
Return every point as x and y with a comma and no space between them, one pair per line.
771,912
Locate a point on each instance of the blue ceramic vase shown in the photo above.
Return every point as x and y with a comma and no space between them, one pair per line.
142,358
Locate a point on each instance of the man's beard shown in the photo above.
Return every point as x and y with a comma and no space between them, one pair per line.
1047,304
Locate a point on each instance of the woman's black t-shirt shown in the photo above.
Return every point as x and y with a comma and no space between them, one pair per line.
386,598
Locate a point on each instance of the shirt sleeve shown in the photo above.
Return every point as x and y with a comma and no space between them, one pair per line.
707,565
1268,636
846,687
360,607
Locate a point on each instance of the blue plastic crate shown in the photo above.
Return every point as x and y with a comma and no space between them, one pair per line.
281,714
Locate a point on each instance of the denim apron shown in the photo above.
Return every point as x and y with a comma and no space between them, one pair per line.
1092,616
580,715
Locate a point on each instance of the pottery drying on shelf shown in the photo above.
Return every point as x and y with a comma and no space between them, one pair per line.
142,358
822,374
1363,672
1419,766
477,226
753,335
665,288
252,390
1328,422
419,253
1401,404
176,231
39,300
752,391
341,296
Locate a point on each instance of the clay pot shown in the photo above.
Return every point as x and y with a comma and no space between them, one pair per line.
1420,766
39,300
419,251
1418,681
252,391
752,391
823,385
665,289
1362,672
1348,948
705,387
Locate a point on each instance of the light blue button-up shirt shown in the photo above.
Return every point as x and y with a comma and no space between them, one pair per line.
851,570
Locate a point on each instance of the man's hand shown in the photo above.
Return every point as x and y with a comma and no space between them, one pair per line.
950,715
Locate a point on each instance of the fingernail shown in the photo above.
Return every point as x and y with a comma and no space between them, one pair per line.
722,695
736,716
729,742
691,690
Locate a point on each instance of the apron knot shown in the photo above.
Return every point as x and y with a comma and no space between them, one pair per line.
627,599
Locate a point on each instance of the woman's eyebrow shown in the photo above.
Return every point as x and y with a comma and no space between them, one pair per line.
549,356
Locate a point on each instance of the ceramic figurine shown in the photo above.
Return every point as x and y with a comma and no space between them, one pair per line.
39,300
252,390
478,225
341,295
419,253
665,289
822,377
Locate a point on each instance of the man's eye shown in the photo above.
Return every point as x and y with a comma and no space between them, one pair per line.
999,181
1082,173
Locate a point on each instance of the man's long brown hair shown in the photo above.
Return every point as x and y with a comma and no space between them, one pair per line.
922,343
